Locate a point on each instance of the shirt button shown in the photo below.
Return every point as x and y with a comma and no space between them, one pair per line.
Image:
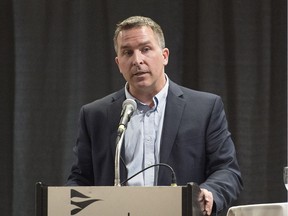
149,139
149,163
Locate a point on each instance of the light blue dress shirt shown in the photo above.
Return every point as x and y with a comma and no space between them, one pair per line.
142,139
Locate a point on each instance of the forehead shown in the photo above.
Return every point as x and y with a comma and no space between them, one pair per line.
137,34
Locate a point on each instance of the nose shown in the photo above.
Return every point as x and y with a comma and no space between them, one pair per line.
137,58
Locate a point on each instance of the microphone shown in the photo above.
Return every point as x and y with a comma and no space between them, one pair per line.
173,175
128,107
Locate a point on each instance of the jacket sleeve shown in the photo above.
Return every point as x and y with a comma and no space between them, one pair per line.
223,177
82,169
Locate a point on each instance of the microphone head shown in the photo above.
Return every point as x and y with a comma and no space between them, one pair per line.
131,103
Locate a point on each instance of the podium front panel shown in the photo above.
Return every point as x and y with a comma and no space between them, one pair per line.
115,201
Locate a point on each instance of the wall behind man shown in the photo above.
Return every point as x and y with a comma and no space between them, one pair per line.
58,55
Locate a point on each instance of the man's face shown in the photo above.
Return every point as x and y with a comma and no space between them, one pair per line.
141,60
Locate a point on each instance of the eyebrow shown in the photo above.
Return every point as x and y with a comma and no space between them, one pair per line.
139,45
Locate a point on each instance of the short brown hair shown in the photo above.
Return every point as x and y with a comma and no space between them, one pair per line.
136,22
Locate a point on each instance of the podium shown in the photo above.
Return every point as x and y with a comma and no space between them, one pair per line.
117,201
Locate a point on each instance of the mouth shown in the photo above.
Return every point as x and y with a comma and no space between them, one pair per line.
139,73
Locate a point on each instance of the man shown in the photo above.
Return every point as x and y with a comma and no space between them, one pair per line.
183,128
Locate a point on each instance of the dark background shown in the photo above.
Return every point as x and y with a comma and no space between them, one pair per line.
57,55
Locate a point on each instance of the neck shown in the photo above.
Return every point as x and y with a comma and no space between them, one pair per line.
146,95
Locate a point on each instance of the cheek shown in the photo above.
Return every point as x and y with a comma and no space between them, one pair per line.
123,63
124,70
158,60
121,67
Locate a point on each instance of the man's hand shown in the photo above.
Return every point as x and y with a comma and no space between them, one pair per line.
206,201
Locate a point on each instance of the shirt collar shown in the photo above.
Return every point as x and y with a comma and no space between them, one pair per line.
159,99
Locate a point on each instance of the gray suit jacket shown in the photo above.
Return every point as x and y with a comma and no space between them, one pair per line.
195,142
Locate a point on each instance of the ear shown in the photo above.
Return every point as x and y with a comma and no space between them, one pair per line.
165,53
116,60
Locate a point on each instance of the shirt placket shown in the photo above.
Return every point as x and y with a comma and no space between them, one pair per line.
149,139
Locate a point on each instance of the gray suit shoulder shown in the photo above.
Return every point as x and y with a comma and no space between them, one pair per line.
105,101
188,93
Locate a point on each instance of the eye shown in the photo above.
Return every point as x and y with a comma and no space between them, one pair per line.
146,49
127,52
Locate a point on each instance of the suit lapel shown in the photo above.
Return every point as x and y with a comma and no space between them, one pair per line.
113,116
174,108
114,111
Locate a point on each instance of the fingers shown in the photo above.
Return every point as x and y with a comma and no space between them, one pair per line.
206,201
